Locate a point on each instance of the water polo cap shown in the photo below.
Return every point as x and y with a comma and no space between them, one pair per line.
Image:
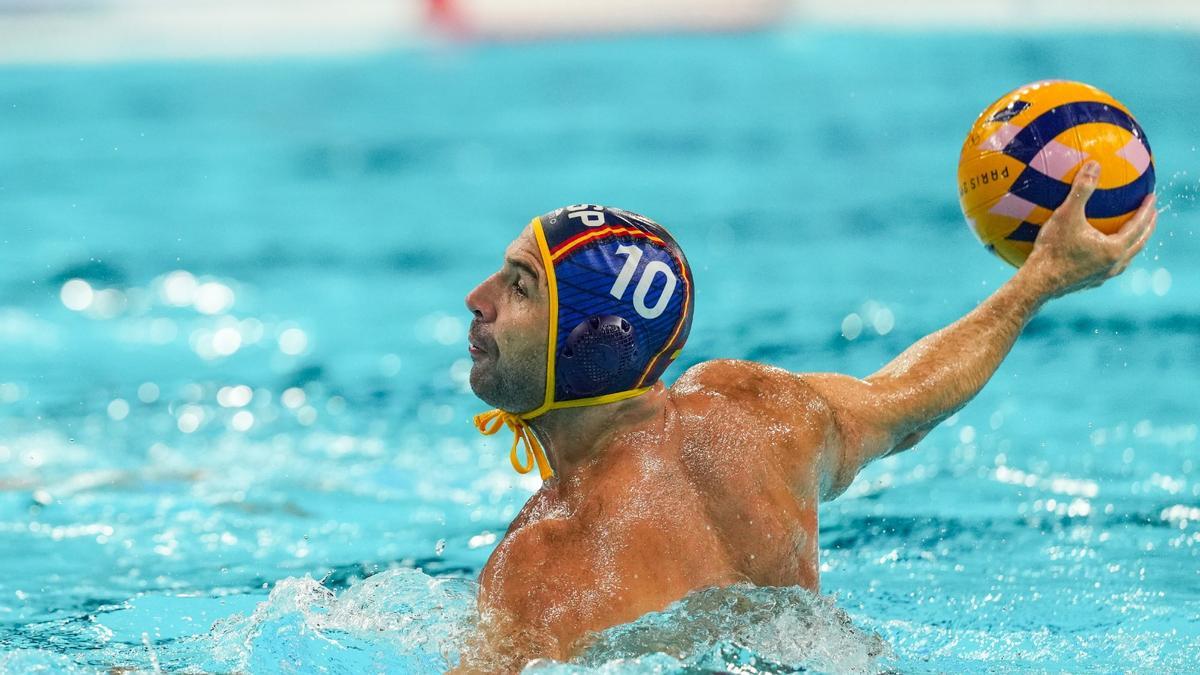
621,299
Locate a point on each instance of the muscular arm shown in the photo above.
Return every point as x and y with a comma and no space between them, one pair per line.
894,408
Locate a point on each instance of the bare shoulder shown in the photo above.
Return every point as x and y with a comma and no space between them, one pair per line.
769,389
754,405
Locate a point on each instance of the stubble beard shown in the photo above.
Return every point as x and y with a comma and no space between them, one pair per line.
515,385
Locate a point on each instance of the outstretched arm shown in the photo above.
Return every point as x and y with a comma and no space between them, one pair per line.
894,408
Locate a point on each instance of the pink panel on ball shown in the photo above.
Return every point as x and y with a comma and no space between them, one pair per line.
1056,159
1013,206
998,140
1135,153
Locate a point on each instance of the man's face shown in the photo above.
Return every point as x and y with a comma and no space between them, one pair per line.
509,332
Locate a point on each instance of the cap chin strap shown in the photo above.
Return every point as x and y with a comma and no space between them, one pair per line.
492,421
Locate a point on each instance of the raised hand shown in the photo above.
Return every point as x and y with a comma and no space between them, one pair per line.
1071,255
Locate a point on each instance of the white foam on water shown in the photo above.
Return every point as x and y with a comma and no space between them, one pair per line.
397,620
406,620
740,628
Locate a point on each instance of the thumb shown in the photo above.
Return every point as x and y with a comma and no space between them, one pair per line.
1082,189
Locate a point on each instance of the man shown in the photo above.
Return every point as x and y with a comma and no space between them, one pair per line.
651,492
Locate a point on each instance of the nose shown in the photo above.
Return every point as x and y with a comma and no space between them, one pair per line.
480,304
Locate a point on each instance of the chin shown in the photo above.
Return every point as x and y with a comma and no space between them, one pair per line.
484,385
489,386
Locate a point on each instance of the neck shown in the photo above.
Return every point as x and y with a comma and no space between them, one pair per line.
573,436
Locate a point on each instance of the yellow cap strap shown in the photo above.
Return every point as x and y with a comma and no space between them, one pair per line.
492,421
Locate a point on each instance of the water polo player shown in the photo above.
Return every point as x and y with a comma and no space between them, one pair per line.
652,492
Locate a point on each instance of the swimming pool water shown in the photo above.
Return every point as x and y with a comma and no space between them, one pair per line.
233,413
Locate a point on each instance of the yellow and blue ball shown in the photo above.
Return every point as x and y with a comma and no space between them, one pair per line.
1018,162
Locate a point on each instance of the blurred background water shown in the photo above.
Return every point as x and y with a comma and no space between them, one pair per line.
233,368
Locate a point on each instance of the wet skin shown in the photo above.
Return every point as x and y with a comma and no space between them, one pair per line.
707,484
717,479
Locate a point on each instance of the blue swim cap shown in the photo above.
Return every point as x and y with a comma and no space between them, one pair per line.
621,300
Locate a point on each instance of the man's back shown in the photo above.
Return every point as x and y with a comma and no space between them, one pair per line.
706,494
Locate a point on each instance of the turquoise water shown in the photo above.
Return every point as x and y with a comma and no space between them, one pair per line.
233,414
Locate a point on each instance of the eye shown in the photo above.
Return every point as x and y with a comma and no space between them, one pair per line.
518,289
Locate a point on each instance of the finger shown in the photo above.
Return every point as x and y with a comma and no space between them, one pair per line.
1137,245
1126,258
1137,225
1082,188
1119,267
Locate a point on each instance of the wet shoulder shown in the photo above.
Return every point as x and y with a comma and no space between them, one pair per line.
752,386
766,415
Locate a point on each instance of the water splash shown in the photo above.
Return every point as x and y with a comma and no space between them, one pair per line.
738,628
404,620
400,620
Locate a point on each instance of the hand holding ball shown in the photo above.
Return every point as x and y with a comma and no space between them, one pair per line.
1023,153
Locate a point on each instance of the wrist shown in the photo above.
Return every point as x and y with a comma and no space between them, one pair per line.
1033,285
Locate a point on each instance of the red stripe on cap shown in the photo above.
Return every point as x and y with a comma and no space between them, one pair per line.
565,247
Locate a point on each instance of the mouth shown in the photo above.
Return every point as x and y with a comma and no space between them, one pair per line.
477,345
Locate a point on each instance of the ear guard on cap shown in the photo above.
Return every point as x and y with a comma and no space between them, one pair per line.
621,305
600,352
